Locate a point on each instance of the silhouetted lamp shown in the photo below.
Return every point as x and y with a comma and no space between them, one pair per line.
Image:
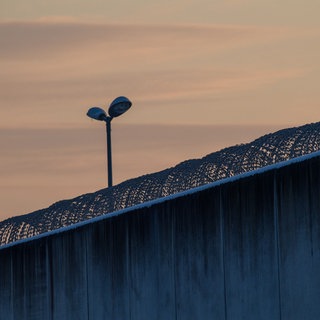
117,107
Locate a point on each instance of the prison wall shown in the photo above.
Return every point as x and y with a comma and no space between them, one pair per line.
246,248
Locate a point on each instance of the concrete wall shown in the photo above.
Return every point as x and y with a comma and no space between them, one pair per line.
245,249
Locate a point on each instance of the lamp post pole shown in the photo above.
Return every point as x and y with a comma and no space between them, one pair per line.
117,107
109,156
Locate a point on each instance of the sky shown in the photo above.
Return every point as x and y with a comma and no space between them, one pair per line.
201,74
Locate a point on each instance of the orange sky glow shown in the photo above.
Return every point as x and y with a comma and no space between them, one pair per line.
201,76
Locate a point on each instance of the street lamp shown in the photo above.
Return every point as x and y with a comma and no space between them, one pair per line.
117,107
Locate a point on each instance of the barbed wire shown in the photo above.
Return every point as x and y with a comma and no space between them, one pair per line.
269,149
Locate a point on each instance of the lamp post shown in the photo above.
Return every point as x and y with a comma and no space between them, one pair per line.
117,107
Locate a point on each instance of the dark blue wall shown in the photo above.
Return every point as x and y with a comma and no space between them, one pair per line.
247,249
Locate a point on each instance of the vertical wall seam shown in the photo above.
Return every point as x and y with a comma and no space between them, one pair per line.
222,239
24,285
129,278
49,284
87,274
277,239
173,234
12,288
310,209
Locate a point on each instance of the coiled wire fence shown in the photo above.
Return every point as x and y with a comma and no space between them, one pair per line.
266,150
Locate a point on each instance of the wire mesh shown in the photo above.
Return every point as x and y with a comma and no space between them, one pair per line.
266,150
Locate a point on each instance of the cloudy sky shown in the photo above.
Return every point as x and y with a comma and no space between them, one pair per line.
202,75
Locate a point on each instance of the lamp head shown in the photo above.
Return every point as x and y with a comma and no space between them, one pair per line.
119,106
97,114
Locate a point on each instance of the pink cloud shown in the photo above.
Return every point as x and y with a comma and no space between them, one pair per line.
61,67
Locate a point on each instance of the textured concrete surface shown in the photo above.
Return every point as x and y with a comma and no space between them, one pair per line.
245,249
